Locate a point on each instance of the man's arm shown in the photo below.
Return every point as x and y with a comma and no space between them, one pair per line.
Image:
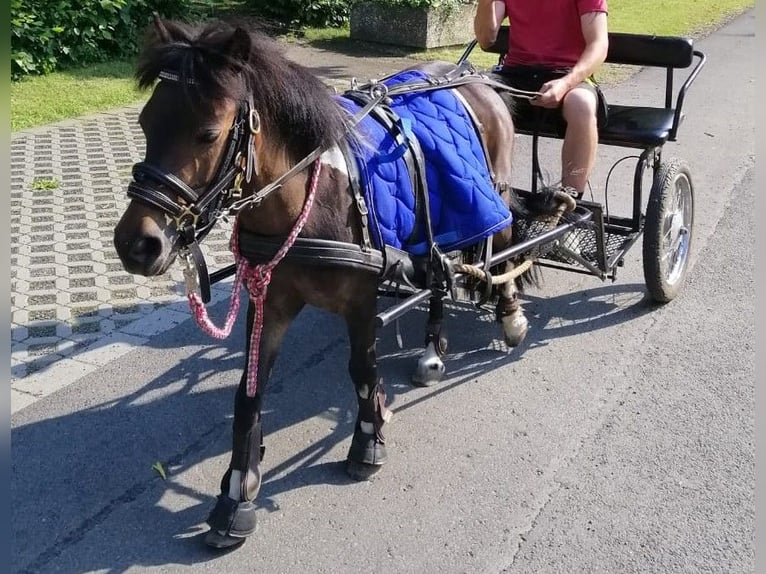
594,30
486,23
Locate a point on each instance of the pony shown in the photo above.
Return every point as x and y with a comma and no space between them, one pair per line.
232,126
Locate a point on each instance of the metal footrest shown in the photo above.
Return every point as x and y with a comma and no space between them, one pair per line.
585,242
593,244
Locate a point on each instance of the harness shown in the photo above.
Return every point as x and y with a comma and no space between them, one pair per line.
194,212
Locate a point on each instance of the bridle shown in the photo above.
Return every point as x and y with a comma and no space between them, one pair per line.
195,212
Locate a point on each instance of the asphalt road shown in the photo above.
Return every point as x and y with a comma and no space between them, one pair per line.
619,438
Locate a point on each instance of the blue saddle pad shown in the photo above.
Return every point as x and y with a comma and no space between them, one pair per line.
464,205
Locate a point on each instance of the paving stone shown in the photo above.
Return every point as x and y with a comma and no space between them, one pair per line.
71,297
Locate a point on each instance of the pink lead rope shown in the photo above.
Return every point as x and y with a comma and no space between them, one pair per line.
256,279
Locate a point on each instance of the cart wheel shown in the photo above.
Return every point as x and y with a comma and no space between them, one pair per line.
668,230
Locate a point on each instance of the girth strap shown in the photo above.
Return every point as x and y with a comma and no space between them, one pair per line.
306,251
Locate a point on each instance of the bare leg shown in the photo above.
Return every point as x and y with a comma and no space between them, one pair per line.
578,153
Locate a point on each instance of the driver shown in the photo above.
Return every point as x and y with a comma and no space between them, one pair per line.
555,47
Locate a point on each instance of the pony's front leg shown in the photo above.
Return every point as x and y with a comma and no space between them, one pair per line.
368,445
430,368
509,313
234,516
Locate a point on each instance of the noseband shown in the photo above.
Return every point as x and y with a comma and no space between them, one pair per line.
195,212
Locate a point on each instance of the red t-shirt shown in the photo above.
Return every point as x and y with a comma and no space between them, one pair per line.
547,32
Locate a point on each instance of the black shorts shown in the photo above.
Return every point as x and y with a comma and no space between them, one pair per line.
531,78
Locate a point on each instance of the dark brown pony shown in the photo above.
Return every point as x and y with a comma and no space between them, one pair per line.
228,105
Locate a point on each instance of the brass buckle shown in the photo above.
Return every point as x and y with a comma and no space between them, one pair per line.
186,212
236,189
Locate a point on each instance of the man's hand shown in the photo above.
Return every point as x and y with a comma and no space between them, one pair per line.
552,93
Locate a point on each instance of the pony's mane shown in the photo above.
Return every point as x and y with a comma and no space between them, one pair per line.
294,105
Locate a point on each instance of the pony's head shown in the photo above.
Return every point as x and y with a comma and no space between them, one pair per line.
224,103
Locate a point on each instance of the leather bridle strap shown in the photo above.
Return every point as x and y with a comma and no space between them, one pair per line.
143,170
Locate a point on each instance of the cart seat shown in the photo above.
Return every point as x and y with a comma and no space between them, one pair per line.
637,126
626,126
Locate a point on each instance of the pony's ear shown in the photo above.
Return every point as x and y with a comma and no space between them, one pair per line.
239,45
160,28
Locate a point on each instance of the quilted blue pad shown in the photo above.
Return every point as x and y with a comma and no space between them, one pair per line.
465,207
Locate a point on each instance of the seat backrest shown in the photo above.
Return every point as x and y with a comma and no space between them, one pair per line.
630,49
645,50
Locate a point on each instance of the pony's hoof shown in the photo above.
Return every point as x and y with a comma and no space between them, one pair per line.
515,327
230,522
221,541
361,472
367,450
430,368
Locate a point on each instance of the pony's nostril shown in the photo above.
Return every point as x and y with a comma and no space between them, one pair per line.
145,250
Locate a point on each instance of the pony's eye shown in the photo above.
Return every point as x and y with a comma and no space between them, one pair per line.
208,136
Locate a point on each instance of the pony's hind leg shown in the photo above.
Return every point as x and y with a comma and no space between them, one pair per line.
430,367
233,518
508,311
368,445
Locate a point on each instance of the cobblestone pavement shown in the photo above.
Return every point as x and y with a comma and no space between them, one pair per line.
70,297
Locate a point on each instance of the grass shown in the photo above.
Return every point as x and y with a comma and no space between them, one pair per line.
41,100
45,183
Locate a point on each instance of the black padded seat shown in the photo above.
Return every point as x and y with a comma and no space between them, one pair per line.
626,126
631,126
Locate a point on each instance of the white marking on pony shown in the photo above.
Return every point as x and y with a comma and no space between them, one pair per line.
334,159
430,367
367,428
234,489
515,327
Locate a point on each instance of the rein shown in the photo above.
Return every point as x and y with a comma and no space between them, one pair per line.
256,279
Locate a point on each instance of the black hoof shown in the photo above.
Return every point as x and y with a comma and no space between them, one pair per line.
230,522
221,541
366,455
361,472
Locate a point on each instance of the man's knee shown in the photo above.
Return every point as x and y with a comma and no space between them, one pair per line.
579,107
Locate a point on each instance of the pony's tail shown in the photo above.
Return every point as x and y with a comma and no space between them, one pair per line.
526,207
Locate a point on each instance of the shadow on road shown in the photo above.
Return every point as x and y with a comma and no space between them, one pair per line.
96,462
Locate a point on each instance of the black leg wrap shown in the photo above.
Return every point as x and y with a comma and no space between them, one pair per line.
435,335
232,518
370,448
435,332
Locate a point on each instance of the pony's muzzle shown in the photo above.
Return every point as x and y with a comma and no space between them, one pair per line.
142,245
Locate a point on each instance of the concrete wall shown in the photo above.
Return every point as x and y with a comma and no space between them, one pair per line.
415,27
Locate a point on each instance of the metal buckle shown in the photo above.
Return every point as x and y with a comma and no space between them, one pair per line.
236,189
187,212
255,122
361,205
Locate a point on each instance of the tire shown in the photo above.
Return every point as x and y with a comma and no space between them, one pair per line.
668,230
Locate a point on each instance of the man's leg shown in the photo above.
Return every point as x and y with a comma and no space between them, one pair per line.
578,154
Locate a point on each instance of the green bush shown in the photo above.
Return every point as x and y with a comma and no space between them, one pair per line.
318,13
421,3
52,34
